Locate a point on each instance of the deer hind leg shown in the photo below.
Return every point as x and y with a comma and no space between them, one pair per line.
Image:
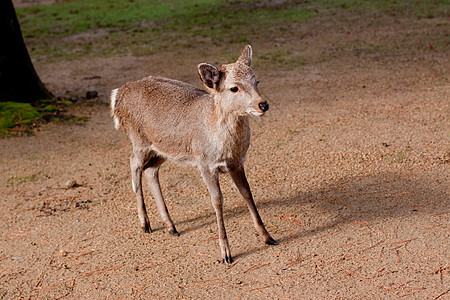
151,171
212,182
240,180
137,164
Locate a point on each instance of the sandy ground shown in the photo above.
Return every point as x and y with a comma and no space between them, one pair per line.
349,169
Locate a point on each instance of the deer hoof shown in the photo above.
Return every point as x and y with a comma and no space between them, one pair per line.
146,228
174,232
227,260
271,241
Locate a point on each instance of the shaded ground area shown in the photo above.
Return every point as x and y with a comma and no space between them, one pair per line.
349,169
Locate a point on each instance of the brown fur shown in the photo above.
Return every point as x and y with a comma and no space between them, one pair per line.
169,119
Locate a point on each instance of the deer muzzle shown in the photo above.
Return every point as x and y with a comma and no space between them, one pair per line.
264,106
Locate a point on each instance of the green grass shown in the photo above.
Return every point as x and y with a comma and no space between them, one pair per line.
78,16
204,15
16,180
142,27
417,7
149,24
13,114
22,117
208,16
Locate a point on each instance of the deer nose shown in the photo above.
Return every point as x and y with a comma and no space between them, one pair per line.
264,106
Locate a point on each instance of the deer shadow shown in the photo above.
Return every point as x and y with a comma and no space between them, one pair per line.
382,196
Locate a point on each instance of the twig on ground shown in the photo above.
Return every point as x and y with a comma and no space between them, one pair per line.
442,294
257,267
212,279
440,271
365,249
401,242
350,272
406,288
52,256
39,280
361,224
211,239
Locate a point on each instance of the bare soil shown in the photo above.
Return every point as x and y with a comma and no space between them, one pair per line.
349,169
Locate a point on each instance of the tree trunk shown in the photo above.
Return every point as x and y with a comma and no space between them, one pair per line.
19,81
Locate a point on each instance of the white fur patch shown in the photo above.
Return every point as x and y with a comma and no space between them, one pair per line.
253,112
133,186
116,122
218,165
113,107
113,99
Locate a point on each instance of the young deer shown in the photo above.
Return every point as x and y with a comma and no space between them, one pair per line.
169,119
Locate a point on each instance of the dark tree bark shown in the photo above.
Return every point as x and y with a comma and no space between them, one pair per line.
19,81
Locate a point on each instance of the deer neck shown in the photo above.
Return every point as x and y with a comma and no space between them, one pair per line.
230,135
228,122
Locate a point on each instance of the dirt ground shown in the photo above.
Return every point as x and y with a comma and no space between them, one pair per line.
349,169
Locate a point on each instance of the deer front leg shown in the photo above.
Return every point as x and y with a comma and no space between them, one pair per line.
136,165
240,180
152,174
211,179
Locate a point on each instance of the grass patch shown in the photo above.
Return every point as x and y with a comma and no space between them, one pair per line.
13,114
77,28
281,57
16,118
49,108
399,157
418,8
19,179
56,30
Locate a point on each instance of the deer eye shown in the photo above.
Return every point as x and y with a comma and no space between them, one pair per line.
234,89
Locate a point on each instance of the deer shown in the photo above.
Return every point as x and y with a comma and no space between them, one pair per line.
166,119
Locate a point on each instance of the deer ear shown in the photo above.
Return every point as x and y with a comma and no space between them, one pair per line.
209,75
246,56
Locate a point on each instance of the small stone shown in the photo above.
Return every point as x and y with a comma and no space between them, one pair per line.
70,184
91,94
62,252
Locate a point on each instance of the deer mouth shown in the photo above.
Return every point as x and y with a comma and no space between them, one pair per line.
258,110
254,112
